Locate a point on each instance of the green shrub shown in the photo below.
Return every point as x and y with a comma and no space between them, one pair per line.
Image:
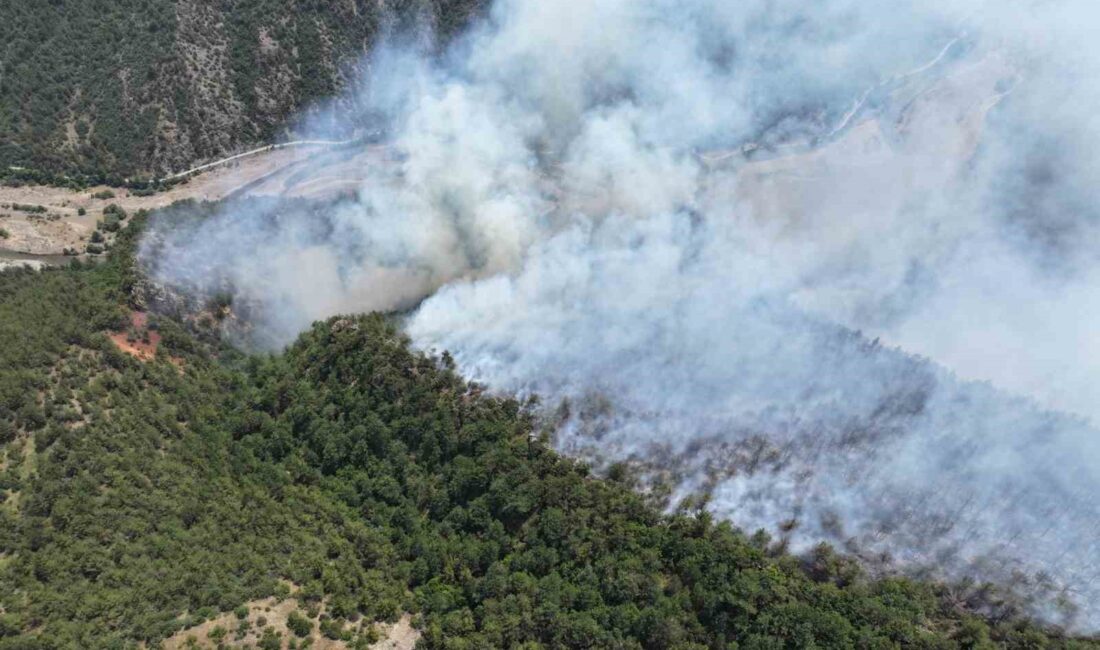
114,210
333,628
33,209
271,640
217,634
298,624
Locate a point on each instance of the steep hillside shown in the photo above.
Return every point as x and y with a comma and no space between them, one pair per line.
122,88
144,495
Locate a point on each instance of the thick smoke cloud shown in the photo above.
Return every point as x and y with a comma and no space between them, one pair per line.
832,263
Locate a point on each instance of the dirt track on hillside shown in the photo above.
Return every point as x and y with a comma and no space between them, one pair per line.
784,187
62,226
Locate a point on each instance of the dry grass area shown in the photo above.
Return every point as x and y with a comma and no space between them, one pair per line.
398,636
271,173
62,226
49,233
268,617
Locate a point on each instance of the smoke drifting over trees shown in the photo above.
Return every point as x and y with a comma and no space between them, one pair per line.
835,265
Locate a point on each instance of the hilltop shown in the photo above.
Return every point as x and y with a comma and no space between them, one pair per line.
108,91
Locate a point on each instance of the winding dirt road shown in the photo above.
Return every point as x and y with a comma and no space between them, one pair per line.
776,184
271,147
62,218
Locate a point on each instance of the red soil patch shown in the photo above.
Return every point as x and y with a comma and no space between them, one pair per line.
138,340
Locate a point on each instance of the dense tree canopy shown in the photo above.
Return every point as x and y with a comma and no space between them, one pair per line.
139,498
114,89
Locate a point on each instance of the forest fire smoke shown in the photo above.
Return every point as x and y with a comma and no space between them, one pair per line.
833,263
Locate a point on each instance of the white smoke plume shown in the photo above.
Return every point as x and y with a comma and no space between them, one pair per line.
834,263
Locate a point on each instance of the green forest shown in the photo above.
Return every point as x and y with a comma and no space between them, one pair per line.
140,498
118,90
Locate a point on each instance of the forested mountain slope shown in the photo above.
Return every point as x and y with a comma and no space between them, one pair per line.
118,88
141,497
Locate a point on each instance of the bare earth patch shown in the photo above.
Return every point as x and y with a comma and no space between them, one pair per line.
62,226
398,636
42,234
270,615
138,340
